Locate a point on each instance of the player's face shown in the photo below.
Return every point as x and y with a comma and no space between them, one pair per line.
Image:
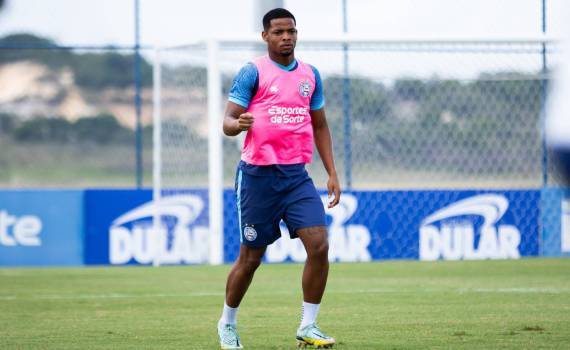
281,36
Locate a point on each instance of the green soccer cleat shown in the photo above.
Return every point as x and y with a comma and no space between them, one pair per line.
312,335
229,338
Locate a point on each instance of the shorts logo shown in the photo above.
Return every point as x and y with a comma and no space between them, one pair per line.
249,233
304,89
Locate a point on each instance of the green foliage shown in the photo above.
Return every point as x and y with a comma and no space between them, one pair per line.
56,130
100,129
29,47
411,89
190,77
7,123
26,39
420,124
108,69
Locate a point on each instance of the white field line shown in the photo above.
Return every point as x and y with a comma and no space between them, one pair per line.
520,290
517,290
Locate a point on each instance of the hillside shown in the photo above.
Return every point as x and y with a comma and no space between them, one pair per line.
59,83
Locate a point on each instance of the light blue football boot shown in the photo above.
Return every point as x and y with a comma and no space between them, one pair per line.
229,337
311,335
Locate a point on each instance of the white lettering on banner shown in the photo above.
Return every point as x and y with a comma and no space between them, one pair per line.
182,244
346,242
24,230
455,237
565,226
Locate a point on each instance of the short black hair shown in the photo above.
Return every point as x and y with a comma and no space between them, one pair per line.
276,13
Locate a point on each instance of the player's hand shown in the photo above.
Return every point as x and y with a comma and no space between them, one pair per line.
333,186
245,121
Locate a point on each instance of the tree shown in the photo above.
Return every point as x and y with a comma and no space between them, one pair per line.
101,129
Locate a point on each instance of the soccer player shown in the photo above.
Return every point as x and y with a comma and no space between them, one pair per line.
278,100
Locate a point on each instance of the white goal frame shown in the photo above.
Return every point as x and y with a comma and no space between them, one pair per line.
214,89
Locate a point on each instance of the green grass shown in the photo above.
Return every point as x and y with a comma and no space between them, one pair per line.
77,165
69,165
388,305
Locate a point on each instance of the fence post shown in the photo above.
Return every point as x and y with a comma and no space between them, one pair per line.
346,105
156,153
138,131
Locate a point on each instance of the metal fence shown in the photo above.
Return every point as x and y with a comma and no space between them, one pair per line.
408,115
68,117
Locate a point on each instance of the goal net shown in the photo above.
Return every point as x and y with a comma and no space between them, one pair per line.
404,114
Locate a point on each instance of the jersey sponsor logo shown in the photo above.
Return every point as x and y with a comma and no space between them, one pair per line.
173,240
450,233
305,89
249,233
287,115
20,231
347,242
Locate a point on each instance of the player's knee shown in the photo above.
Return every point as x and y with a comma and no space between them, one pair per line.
319,250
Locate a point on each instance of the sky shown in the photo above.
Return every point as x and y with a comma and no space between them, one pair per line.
176,22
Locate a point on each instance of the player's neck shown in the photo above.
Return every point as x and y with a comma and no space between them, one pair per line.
282,60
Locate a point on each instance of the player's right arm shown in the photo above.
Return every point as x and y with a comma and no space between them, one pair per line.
236,119
244,86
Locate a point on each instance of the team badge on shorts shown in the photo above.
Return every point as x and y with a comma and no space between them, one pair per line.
304,89
249,233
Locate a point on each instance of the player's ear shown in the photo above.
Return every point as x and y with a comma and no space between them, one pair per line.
264,36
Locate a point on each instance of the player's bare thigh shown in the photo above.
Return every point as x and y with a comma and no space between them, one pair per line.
250,256
314,239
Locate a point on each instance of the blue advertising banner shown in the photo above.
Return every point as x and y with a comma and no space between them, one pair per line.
41,227
119,227
425,225
116,227
555,206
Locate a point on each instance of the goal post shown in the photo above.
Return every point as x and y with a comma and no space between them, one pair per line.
215,155
402,86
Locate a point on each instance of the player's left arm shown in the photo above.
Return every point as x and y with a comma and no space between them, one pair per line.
322,136
323,141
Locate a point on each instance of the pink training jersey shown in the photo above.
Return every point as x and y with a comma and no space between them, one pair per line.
282,132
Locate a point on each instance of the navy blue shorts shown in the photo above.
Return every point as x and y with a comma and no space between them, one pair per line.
267,194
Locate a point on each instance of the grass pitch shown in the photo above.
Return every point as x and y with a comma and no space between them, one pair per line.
388,305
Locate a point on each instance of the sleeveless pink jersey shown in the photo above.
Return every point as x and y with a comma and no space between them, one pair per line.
282,132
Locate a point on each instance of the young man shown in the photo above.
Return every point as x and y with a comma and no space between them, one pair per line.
279,102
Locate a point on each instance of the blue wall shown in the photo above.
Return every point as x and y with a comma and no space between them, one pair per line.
119,227
115,227
41,228
372,225
555,219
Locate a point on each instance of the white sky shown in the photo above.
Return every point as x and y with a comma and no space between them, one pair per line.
176,22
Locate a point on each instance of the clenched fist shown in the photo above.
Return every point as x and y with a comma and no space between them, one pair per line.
245,121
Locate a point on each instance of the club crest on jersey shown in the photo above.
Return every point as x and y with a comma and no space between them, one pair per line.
304,88
249,233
